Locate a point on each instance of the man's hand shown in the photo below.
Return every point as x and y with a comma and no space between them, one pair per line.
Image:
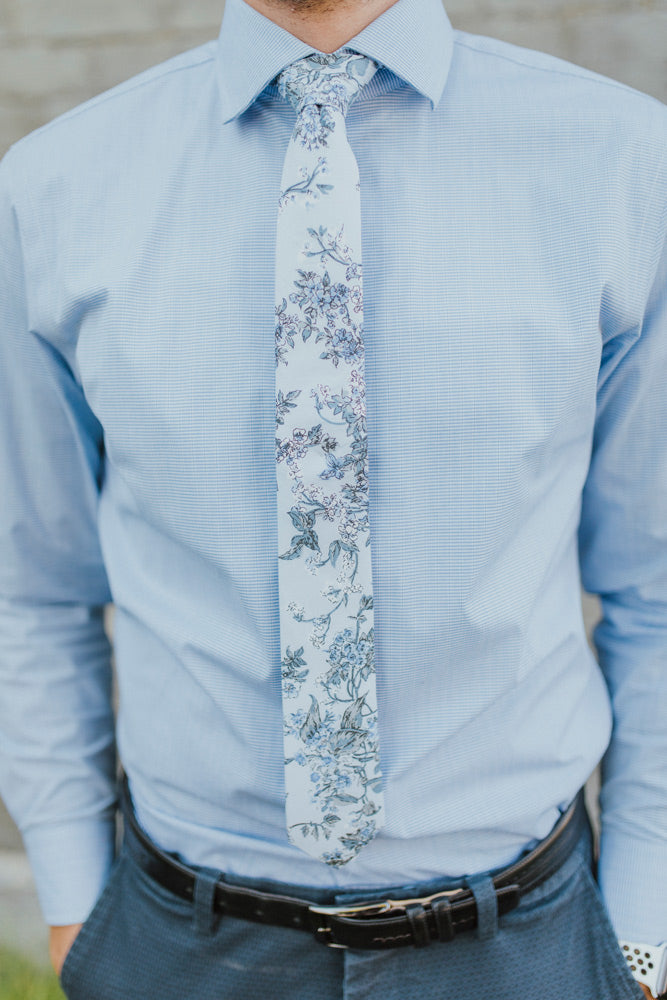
646,991
61,940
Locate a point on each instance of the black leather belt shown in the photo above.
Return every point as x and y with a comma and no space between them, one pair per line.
375,924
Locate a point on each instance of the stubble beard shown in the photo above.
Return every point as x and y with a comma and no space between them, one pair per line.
321,7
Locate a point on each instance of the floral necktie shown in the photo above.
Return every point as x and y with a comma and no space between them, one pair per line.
333,784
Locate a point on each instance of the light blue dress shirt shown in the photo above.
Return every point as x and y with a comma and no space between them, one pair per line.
513,212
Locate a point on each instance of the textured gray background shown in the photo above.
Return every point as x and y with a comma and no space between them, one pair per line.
54,54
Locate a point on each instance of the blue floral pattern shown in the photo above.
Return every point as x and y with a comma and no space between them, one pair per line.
333,783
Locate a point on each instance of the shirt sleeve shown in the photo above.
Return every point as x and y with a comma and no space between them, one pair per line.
57,754
623,554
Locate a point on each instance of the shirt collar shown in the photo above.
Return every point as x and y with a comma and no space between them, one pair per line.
413,39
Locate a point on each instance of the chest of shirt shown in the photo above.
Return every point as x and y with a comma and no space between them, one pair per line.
481,302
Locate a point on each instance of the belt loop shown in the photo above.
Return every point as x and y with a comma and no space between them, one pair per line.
418,920
486,902
442,911
205,918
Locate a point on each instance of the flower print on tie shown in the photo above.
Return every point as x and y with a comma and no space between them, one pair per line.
334,802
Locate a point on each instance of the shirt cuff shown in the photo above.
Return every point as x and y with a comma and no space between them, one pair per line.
70,865
631,876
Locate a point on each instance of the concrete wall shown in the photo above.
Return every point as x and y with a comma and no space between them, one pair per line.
56,53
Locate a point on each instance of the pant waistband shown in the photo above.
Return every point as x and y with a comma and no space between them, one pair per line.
376,922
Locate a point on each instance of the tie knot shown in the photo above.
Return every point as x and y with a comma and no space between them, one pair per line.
326,79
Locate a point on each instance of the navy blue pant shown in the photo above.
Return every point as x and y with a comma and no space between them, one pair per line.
142,943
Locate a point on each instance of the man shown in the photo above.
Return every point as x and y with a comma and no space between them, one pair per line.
512,211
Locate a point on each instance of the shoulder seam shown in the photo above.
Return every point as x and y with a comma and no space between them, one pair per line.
577,72
125,86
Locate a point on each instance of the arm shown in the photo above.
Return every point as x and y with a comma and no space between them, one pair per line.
61,940
623,547
57,756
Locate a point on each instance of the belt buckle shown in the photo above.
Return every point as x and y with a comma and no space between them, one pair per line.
359,910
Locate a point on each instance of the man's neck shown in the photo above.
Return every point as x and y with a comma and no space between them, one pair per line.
325,24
